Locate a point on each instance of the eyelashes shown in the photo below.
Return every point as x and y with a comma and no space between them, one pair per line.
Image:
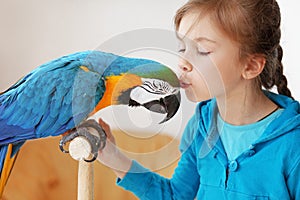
193,49
202,53
181,50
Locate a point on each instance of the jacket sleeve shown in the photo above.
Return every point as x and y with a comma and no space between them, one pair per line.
293,181
184,183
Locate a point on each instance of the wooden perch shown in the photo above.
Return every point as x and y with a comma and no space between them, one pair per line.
80,149
85,142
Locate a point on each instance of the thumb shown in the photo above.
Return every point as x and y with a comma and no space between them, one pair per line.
107,130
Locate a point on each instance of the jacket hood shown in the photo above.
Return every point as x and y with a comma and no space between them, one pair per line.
286,122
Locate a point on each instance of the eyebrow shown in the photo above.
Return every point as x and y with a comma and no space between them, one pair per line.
198,39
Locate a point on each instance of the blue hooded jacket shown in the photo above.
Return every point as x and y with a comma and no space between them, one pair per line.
268,169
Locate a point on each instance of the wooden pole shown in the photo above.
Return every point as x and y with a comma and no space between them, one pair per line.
80,149
85,180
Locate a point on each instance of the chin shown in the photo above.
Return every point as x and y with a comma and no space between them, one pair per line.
193,97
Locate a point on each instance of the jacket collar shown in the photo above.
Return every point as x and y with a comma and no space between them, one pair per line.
206,112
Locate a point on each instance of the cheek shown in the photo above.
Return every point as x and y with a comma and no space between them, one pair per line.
211,77
229,65
231,73
199,91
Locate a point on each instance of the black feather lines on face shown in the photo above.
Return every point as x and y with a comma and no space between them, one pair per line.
156,87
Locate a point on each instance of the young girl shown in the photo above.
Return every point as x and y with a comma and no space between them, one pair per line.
243,140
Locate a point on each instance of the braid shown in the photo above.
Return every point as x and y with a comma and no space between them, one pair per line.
280,80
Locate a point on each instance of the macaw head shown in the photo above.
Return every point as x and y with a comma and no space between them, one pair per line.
143,83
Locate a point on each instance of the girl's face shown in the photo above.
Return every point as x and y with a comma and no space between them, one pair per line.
209,63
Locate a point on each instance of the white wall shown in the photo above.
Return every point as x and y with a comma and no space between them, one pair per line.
35,31
291,43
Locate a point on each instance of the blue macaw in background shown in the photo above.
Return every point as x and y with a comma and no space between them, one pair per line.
59,95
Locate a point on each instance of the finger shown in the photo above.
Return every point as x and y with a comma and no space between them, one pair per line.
107,130
104,125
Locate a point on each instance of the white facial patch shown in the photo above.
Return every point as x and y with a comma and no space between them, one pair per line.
152,89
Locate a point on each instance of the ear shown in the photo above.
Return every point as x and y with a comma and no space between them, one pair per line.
254,65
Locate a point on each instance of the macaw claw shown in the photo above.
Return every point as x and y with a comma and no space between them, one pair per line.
97,142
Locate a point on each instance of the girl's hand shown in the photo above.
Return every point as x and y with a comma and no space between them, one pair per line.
111,156
110,138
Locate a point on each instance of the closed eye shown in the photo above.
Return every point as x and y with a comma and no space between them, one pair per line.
181,50
204,53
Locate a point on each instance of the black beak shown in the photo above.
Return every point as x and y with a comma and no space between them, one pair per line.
168,104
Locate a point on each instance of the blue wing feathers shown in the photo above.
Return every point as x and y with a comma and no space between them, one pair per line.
50,100
3,151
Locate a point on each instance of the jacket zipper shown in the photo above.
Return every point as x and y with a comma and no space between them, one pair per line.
226,179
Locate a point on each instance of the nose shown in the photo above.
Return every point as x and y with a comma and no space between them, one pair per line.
184,65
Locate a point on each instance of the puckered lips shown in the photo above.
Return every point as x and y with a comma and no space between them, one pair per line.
184,84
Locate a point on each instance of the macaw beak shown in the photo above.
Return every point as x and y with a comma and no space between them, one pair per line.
168,104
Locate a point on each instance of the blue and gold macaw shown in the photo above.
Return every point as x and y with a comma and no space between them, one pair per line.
57,96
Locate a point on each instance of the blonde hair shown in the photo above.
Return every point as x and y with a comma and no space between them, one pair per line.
255,25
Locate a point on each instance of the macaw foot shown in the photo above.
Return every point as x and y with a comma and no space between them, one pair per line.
97,142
